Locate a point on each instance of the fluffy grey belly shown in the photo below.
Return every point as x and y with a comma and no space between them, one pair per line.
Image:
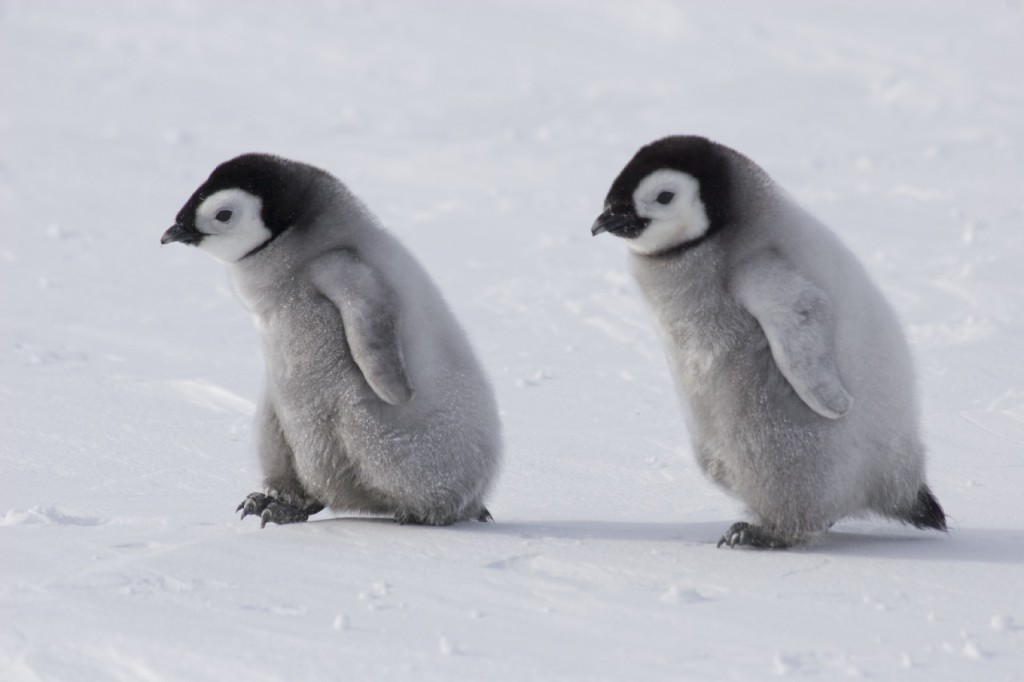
742,412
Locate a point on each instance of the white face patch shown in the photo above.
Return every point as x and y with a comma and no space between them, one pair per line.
670,199
230,220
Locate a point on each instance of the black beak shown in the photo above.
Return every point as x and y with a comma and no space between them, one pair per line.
180,233
620,221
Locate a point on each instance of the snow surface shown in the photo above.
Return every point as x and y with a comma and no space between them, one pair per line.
485,135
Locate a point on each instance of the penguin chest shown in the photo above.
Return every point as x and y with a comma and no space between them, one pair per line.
699,322
720,362
310,370
703,346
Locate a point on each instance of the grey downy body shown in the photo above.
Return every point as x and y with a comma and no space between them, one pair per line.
795,377
374,400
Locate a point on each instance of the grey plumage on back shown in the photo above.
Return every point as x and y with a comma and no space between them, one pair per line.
795,377
374,400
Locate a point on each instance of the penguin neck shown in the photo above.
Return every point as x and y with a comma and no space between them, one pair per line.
679,249
264,271
258,276
690,285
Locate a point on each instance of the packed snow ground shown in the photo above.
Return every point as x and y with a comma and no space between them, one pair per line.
485,136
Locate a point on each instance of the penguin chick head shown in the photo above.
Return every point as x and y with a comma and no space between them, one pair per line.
243,206
672,194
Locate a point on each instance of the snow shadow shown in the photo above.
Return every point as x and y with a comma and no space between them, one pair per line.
974,545
978,545
577,529
629,531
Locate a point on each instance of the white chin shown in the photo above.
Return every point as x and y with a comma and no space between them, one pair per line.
662,235
233,246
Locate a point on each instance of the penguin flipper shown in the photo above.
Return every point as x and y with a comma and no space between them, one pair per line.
369,314
796,318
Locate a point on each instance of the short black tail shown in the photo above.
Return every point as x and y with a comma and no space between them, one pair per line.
927,512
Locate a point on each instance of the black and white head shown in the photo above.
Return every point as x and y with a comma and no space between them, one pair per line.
244,205
673,194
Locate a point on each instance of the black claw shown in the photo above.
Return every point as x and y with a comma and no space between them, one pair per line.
271,508
484,516
254,503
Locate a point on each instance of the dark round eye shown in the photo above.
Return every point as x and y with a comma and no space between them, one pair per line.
224,215
665,198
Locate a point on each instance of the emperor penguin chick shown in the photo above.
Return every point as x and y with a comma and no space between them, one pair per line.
795,377
374,401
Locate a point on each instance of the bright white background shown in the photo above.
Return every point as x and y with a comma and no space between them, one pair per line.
485,136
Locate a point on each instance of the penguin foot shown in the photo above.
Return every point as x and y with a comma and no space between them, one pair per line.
407,518
742,534
273,509
254,503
